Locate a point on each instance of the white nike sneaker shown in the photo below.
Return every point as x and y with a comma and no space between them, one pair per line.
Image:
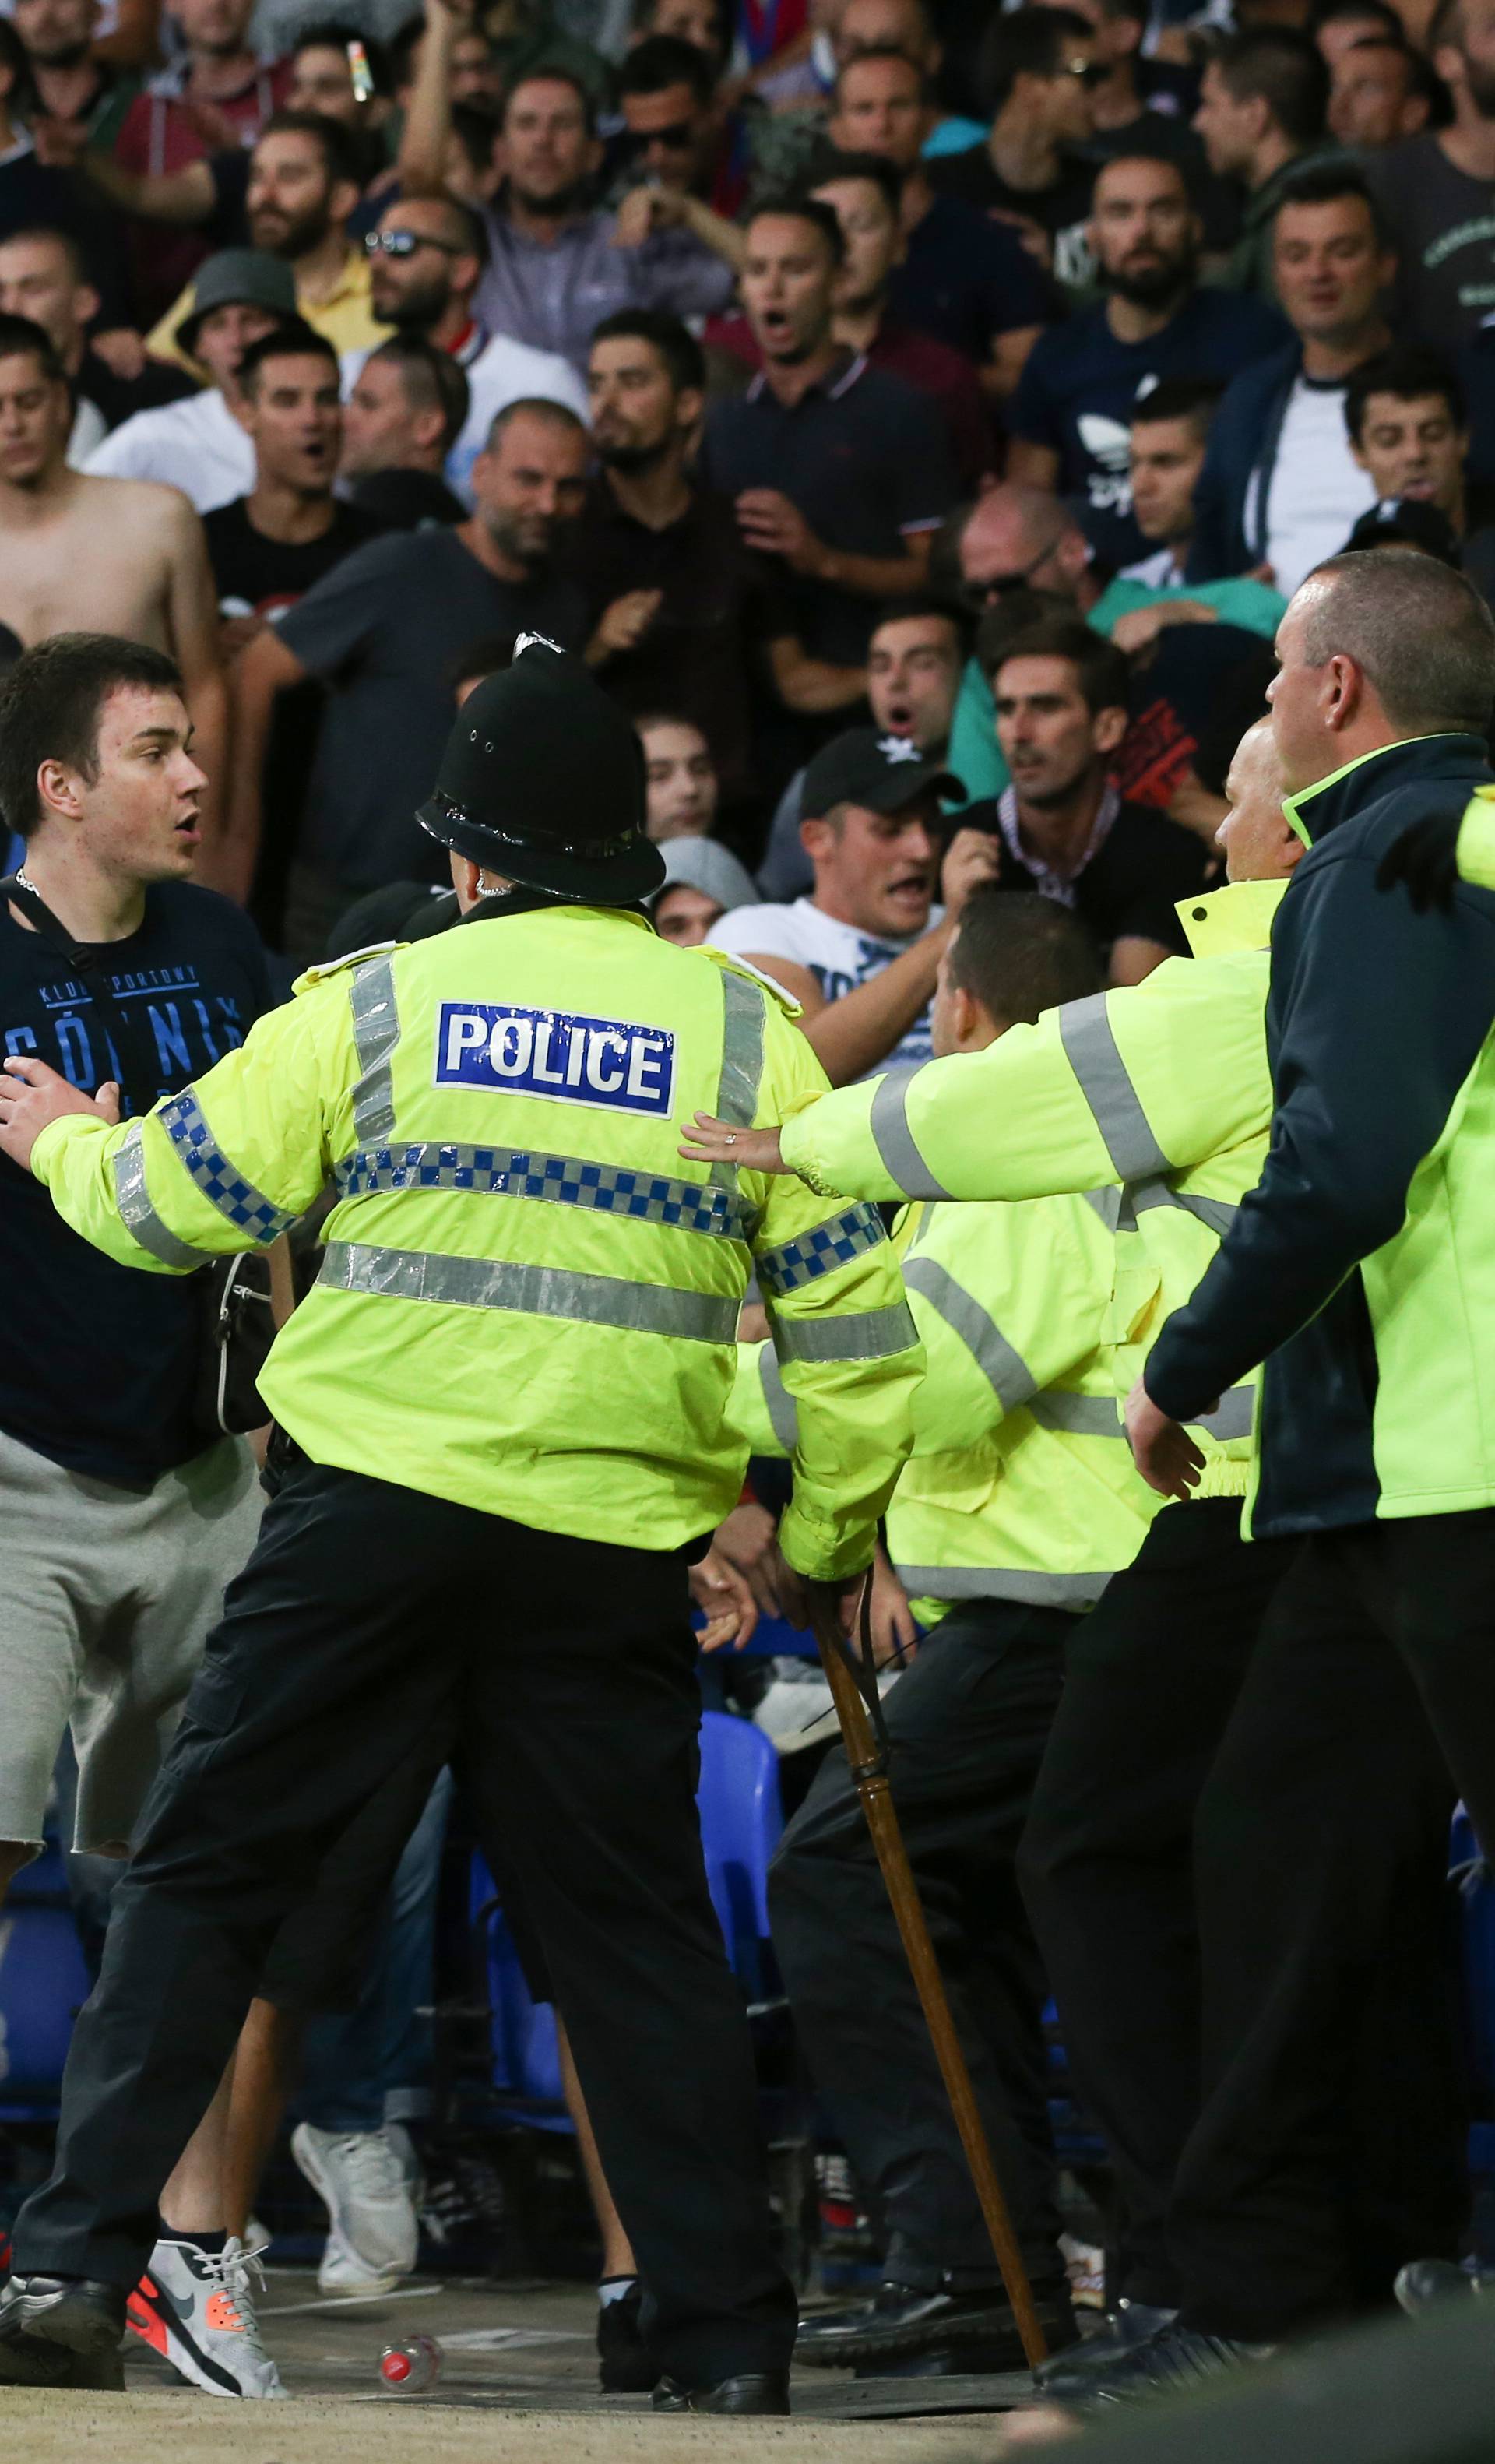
197,2311
375,2231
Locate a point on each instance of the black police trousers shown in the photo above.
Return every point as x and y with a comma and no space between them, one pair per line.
1107,1862
1234,1865
1329,2146
968,1721
377,1631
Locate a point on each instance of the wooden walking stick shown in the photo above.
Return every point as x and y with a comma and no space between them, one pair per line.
868,1756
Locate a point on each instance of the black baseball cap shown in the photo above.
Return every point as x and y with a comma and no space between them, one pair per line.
882,772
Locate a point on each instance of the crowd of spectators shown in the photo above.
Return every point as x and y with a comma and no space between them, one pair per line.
917,414
779,369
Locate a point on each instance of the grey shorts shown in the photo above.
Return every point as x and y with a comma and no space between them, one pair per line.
107,1597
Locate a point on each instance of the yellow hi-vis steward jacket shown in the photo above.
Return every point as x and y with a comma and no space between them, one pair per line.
1477,841
1020,1486
1161,1087
523,1306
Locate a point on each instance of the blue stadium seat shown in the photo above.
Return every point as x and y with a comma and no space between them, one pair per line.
44,1983
740,1821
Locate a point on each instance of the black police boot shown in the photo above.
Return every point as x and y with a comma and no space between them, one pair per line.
764,2391
626,2366
61,2331
902,2319
1176,2358
1068,2376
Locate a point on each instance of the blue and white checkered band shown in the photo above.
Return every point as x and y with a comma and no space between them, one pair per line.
247,1208
833,1243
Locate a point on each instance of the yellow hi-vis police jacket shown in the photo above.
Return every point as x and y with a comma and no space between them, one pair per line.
1020,1486
523,1307
1161,1087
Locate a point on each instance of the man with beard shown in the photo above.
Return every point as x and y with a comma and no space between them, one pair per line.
72,85
1071,416
384,632
682,615
426,260
214,92
1062,697
295,190
1437,191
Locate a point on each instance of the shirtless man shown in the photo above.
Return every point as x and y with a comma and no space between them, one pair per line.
83,555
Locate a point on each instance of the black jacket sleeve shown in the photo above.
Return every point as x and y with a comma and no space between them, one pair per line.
1379,1016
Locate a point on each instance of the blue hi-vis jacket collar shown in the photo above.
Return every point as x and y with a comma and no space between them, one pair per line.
1346,792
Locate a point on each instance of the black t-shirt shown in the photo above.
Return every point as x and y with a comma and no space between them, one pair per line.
264,577
1178,690
1062,210
718,607
267,575
965,279
98,1362
865,459
1143,866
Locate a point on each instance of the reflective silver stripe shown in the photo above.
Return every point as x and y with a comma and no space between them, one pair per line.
744,1010
1107,1203
1086,1032
1009,1373
833,1243
893,1140
1217,1214
856,1335
376,1031
565,1180
1079,1416
535,1292
258,1218
137,1213
1234,1417
777,1399
1001,1583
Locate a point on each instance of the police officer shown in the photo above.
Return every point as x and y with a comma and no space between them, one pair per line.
508,1389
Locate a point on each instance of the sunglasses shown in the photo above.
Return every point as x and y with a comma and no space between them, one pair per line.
1091,73
678,137
983,594
405,243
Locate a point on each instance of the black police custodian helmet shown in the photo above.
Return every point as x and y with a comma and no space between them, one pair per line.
543,781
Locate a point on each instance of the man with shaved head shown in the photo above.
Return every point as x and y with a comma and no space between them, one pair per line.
1358,1270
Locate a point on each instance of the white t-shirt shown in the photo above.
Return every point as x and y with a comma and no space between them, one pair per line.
504,371
838,955
1317,491
196,445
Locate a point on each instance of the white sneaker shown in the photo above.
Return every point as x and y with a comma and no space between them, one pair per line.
197,2311
375,2231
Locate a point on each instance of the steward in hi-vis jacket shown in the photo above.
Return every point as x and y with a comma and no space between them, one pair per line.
1017,1506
